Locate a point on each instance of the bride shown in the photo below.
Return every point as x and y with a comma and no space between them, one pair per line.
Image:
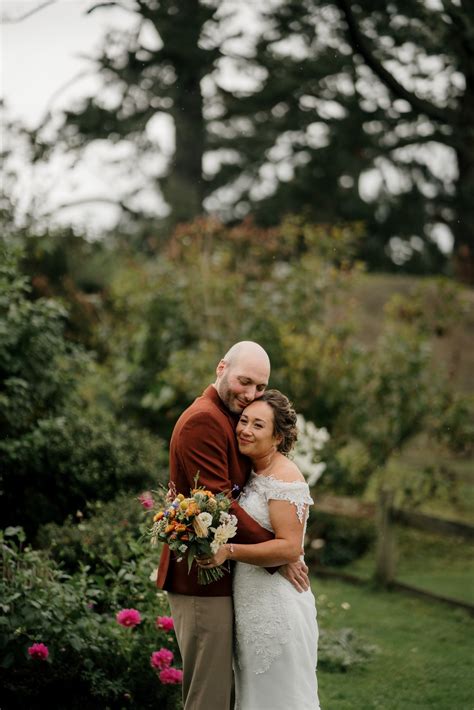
275,626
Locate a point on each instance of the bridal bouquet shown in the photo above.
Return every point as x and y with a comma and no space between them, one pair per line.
195,526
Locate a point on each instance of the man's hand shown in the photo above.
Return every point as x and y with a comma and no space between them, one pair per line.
297,574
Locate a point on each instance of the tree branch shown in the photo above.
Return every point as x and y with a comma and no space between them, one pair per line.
111,3
11,20
360,45
419,140
55,94
91,200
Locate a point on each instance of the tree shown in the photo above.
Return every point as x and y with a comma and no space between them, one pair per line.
322,123
452,29
155,69
328,100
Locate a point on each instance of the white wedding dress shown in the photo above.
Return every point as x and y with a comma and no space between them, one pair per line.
275,626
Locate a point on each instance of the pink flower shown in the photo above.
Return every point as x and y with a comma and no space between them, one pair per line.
171,676
146,499
38,650
161,659
128,617
165,622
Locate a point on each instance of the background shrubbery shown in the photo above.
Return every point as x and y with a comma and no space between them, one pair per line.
58,449
87,405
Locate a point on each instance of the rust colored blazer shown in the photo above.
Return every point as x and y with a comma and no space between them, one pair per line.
204,440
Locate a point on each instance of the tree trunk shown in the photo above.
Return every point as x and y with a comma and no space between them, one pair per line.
463,226
385,556
183,188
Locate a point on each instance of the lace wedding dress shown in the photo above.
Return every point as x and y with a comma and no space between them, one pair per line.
276,628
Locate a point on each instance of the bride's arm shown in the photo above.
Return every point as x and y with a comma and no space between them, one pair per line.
286,547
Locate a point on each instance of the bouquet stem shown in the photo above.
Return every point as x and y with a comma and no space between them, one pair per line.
206,576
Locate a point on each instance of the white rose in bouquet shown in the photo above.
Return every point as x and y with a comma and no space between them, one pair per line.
201,524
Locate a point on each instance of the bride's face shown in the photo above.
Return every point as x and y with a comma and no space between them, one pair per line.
254,431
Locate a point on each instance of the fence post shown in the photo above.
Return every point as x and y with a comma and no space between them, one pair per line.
385,556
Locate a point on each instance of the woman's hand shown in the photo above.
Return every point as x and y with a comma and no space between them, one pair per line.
216,560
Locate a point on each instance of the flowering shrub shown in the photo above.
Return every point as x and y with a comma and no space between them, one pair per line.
66,642
306,454
129,617
161,659
165,622
171,676
146,499
38,650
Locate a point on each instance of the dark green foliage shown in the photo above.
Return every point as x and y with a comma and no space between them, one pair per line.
107,538
57,451
64,265
342,540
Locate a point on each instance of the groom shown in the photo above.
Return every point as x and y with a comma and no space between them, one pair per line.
204,440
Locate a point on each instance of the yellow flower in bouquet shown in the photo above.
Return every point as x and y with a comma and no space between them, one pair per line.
195,526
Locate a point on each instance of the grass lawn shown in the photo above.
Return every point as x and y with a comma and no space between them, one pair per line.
443,565
425,651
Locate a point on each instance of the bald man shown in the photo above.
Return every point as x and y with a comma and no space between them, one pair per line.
204,440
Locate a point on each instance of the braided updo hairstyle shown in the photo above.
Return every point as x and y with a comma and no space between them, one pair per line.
284,416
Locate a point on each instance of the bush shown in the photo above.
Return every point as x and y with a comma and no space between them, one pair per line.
102,536
340,650
57,449
342,540
93,661
110,540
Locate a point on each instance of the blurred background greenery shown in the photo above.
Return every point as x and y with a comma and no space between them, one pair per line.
268,235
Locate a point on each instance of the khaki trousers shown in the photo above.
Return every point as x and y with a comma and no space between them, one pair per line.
204,631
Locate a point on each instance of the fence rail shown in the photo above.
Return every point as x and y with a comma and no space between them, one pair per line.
355,508
386,517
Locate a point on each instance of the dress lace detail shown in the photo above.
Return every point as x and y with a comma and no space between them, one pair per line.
261,489
262,612
262,622
296,492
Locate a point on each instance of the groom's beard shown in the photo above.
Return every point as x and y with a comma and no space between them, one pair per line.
234,403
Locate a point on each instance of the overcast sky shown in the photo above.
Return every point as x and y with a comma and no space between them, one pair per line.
42,54
45,51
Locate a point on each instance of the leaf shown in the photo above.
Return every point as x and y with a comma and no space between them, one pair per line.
76,643
191,556
7,661
16,531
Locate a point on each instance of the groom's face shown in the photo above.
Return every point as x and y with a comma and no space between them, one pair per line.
240,383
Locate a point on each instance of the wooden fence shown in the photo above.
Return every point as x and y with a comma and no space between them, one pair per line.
386,517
